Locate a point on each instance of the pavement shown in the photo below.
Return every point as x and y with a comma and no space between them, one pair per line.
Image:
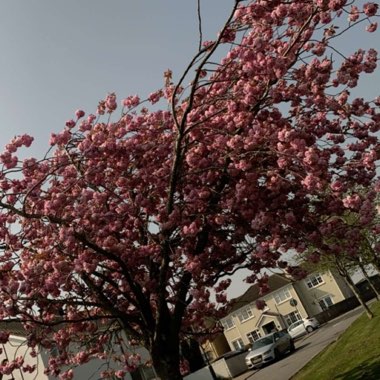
306,349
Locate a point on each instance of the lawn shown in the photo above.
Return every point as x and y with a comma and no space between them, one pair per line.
355,355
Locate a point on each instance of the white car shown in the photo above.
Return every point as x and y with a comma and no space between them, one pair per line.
302,327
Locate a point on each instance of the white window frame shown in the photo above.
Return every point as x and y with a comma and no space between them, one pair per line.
322,300
282,296
245,314
228,323
240,344
292,317
314,281
252,338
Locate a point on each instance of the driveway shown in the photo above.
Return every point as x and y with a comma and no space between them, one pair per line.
306,348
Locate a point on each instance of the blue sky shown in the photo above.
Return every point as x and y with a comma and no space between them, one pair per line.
58,56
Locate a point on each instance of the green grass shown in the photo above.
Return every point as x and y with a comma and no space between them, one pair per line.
355,355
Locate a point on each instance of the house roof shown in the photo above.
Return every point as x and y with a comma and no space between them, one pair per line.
13,327
267,314
275,281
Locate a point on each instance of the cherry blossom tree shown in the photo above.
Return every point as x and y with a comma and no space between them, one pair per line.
133,219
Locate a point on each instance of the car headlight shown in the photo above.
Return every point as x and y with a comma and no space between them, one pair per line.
267,352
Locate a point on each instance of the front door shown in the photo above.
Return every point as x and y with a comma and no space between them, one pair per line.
269,327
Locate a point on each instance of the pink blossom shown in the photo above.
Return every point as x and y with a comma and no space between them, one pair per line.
191,229
319,49
120,374
221,297
79,113
337,186
208,44
110,103
372,27
29,368
311,182
370,9
354,14
91,118
352,201
81,358
4,336
260,304
67,375
290,218
184,367
131,101
70,123
193,266
154,97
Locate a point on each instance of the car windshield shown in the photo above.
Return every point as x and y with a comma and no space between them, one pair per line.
296,324
262,342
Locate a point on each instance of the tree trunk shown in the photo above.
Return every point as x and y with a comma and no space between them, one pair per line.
191,351
166,359
376,263
373,287
358,296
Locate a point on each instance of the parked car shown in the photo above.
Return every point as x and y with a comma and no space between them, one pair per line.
269,348
302,327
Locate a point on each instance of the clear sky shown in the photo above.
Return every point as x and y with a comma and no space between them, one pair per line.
58,56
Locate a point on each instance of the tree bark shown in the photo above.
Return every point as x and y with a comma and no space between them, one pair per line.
373,287
166,366
192,353
166,358
376,263
358,296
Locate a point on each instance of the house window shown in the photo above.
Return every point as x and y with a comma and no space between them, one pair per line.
208,356
238,344
282,296
245,314
228,323
325,302
314,281
292,317
253,335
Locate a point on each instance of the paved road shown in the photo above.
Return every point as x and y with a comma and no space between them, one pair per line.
306,348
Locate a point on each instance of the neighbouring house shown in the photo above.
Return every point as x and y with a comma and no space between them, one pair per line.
319,291
215,348
17,347
287,302
365,288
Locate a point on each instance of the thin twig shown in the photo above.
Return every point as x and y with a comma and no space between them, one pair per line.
199,24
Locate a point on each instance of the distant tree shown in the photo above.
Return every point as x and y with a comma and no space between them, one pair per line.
364,222
367,236
370,248
368,278
343,240
129,221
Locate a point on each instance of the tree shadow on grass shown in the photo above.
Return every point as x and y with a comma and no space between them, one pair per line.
368,370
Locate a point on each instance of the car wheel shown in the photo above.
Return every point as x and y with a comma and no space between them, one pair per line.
309,329
292,347
276,354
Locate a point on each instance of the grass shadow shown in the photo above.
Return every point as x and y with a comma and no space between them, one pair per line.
368,370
